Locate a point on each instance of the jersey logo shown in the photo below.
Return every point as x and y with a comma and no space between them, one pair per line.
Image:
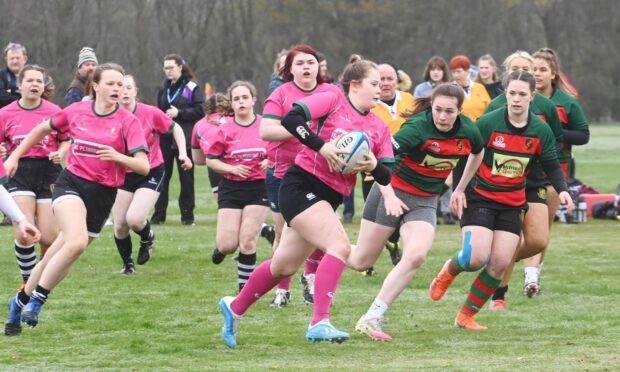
310,196
499,142
303,133
509,166
529,143
438,164
434,147
394,143
459,145
542,193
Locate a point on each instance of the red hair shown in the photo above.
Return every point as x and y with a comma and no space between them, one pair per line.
460,61
290,56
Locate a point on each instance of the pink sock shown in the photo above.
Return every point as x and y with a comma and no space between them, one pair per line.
261,281
285,283
313,261
325,284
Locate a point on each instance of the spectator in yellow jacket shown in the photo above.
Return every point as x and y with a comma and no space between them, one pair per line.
476,97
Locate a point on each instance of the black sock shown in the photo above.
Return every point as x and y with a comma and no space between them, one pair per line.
22,298
145,233
40,294
124,248
245,267
500,293
26,260
394,237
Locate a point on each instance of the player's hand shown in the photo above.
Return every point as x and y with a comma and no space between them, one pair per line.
367,165
264,164
108,153
458,202
332,155
186,163
28,232
55,157
394,206
242,171
10,166
566,199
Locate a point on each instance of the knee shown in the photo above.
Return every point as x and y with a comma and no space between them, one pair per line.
358,263
536,242
77,245
247,245
135,223
340,249
121,230
227,246
281,271
412,262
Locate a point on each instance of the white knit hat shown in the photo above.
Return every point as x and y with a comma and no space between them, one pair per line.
87,54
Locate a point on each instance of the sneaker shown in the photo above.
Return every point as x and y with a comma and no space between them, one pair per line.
146,249
30,312
217,257
283,297
13,326
307,281
268,232
231,321
188,222
395,253
531,288
372,328
369,272
498,305
347,218
440,284
324,331
468,322
128,269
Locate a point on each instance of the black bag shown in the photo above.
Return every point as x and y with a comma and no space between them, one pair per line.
604,211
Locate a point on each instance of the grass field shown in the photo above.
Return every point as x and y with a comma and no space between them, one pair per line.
165,317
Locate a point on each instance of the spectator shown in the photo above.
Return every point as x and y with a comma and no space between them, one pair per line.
15,57
276,77
435,72
487,76
182,99
87,62
476,97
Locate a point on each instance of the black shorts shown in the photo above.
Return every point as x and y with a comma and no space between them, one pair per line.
214,180
152,181
97,198
536,195
272,183
300,190
240,194
34,177
508,219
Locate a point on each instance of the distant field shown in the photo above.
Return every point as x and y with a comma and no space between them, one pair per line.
165,317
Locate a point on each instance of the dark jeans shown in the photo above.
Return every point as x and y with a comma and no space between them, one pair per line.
349,204
186,197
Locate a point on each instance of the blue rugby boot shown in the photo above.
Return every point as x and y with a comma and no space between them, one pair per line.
231,321
30,312
13,326
324,331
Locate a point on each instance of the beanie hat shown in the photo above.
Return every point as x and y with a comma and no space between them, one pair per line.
87,54
460,61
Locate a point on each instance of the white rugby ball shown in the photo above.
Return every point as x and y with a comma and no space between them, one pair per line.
357,144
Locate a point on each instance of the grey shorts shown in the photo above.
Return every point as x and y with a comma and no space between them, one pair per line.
421,208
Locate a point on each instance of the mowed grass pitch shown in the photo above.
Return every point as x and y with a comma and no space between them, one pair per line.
166,316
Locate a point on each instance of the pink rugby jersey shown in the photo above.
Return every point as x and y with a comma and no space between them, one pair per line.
205,130
16,122
89,132
235,144
154,122
281,154
332,115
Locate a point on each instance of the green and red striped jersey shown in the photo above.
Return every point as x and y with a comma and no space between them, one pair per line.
425,156
509,154
572,118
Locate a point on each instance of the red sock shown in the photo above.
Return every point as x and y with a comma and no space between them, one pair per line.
325,284
259,283
313,261
285,283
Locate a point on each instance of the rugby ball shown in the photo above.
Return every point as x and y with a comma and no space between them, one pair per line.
357,144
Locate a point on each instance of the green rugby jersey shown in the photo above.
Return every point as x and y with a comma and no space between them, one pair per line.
545,109
425,156
509,154
572,118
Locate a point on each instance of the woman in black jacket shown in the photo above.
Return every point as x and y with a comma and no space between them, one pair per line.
182,100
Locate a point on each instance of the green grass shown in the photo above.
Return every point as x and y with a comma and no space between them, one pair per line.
165,317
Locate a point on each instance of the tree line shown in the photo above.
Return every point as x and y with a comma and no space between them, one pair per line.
226,40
